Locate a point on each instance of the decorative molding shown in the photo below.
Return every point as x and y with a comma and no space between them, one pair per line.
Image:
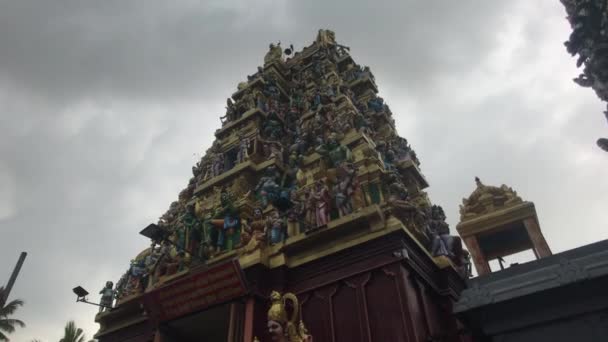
570,272
574,266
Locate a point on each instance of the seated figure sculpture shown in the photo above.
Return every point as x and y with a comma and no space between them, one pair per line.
254,232
442,243
274,54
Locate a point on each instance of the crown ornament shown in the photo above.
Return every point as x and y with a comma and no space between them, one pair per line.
292,324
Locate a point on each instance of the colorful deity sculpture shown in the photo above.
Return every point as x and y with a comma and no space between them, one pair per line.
273,126
163,260
227,221
295,214
283,327
322,200
133,281
334,152
346,191
268,188
194,229
277,120
254,232
276,228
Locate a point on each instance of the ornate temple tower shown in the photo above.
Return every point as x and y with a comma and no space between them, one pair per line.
495,222
307,189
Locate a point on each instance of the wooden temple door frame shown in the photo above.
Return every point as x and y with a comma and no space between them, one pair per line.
248,320
237,326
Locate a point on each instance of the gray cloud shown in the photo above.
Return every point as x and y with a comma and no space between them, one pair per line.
105,106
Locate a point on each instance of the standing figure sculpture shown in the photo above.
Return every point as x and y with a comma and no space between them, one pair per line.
107,297
243,152
268,188
310,208
323,202
218,165
345,189
194,230
277,229
227,222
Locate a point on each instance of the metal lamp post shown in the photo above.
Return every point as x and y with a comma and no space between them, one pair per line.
81,296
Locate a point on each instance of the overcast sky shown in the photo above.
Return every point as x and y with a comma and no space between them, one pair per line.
106,105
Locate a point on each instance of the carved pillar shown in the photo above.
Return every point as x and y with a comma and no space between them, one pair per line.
481,264
248,324
233,323
540,246
292,229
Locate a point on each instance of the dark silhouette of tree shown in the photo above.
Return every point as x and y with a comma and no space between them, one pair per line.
7,325
72,333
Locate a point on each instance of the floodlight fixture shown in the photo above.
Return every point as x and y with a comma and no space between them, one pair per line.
81,296
159,235
155,233
80,292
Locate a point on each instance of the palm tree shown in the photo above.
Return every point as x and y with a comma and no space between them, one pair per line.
7,325
72,333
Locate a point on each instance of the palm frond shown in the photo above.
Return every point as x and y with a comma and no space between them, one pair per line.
72,333
8,324
10,307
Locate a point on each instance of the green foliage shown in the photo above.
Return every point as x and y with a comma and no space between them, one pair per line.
72,333
7,325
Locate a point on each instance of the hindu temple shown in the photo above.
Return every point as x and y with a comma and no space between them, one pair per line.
307,219
308,208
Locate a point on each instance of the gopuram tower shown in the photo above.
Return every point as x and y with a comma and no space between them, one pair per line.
309,191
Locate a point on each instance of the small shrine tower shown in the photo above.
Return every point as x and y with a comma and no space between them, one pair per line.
495,222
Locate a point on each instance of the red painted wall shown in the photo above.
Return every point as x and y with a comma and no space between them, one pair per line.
373,306
369,294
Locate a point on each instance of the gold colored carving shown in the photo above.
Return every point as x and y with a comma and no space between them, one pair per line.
277,309
285,328
326,38
274,54
487,199
240,188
